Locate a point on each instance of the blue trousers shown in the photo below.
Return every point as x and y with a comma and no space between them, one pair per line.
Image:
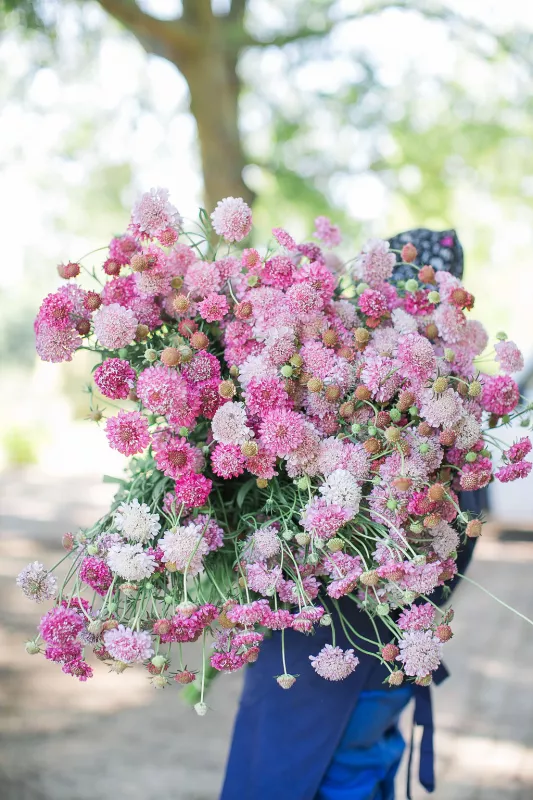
369,754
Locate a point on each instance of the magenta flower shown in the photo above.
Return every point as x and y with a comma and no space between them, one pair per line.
128,432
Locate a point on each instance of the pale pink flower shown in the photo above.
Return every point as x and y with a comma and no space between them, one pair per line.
509,356
420,653
153,213
232,219
115,326
128,646
334,664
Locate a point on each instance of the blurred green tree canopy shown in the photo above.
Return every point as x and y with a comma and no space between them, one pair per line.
287,92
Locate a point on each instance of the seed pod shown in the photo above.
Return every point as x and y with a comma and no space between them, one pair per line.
363,393
315,385
227,389
330,337
199,341
139,262
249,449
171,356
332,393
372,446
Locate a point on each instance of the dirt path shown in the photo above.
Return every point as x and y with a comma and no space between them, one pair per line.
116,737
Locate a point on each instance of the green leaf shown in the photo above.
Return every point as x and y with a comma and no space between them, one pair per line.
243,491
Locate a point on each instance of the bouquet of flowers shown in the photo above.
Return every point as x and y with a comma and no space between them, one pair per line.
299,427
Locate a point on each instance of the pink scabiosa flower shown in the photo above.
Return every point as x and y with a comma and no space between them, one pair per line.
229,424
264,394
37,583
128,646
174,455
227,461
381,376
277,620
232,219
249,613
128,432
420,653
153,213
185,546
263,544
328,233
421,578
263,580
417,303
284,238
373,303
262,465
78,668
477,475
441,410
376,262
278,271
96,574
334,664
500,395
214,307
444,539
304,300
160,388
513,472
60,625
213,535
281,431
509,356
519,450
56,311
320,278
121,249
416,356
203,367
115,377
56,345
202,278
417,617
115,326
192,490
322,519
63,653
227,662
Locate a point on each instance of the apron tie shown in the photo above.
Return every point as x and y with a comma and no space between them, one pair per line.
423,715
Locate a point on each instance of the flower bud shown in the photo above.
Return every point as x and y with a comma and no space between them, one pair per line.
171,357
444,632
315,385
474,528
150,355
286,370
396,678
361,335
389,652
475,389
426,274
32,648
199,341
286,681
409,252
335,544
330,337
411,285
201,709
184,677
369,578
249,449
261,483
226,389
434,297
139,262
302,538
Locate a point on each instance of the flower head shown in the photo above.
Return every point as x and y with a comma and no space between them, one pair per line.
128,646
341,489
96,574
185,546
327,232
131,562
232,219
420,653
334,664
56,345
500,395
37,583
115,377
115,326
135,522
153,213
509,356
128,432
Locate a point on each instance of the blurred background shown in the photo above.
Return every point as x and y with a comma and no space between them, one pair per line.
382,115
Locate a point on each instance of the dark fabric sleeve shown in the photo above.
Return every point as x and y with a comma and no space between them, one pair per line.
439,249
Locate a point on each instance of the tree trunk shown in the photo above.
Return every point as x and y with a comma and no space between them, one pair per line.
214,89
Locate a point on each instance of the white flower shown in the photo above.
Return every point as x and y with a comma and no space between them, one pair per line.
444,539
36,583
255,367
185,547
342,489
135,521
229,424
131,562
403,322
468,431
